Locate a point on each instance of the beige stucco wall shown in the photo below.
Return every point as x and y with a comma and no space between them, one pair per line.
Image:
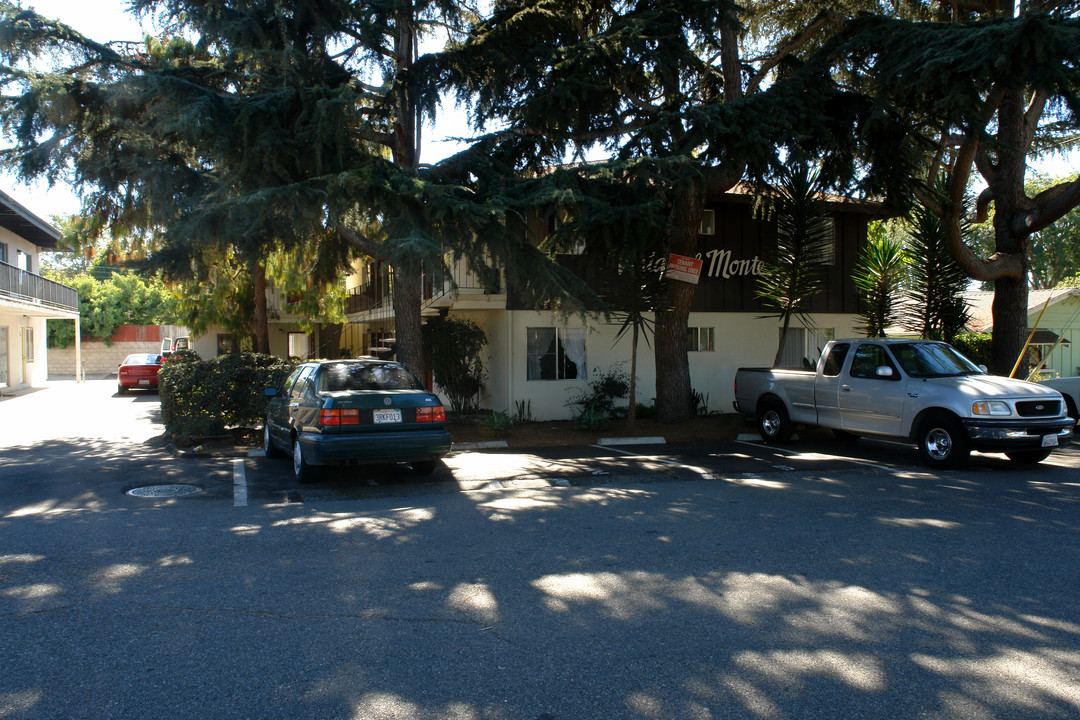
97,357
23,372
16,244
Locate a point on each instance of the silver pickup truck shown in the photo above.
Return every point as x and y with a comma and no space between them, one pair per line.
918,390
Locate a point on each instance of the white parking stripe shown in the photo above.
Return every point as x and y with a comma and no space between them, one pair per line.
704,473
239,483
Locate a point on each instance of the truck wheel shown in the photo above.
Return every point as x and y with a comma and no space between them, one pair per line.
1070,407
1028,457
774,425
943,443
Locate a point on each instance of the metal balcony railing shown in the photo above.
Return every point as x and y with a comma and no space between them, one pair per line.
21,285
377,291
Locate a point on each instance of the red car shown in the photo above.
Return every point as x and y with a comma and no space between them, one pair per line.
138,371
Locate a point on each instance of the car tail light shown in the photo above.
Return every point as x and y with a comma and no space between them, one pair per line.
435,413
338,416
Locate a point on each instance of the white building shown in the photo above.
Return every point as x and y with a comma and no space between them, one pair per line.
27,300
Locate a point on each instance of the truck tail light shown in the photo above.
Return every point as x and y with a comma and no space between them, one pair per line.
435,413
338,416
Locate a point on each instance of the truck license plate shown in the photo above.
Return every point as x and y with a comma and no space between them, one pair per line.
394,416
1049,441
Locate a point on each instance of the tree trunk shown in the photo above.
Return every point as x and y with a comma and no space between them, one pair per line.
783,339
674,394
407,322
330,340
1010,292
631,410
260,316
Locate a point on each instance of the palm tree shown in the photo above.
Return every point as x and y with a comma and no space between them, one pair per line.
878,276
804,242
936,282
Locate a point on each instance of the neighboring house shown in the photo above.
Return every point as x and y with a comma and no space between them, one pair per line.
535,358
27,300
1060,320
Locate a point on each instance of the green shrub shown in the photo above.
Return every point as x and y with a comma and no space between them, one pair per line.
597,403
499,422
206,397
974,346
454,347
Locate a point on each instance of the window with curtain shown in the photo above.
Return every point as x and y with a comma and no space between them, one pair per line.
555,353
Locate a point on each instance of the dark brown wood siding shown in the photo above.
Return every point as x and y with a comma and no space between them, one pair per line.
731,255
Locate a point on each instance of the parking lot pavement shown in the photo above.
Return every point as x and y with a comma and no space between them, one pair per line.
740,462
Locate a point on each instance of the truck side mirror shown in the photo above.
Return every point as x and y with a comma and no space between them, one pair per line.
883,371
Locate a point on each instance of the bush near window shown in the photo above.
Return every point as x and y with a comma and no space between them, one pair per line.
202,398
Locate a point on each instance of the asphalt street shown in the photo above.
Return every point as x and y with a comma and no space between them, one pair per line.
720,580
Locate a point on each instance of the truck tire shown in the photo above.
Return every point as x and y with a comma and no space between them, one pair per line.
1071,409
774,425
1028,457
943,442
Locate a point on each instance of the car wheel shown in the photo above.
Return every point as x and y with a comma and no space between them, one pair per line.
269,447
774,425
423,467
303,472
1028,457
121,389
943,442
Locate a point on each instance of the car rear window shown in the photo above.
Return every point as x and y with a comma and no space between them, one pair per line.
140,359
367,376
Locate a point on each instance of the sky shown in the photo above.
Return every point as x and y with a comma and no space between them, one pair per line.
107,20
98,19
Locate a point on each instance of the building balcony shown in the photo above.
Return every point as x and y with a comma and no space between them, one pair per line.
462,288
25,287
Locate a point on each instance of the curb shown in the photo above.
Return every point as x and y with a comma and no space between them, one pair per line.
486,445
654,440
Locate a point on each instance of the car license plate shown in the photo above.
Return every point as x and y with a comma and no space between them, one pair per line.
144,382
394,416
1049,441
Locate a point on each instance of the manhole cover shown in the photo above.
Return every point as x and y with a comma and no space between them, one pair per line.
163,491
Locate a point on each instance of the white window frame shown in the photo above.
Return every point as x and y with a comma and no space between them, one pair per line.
708,223
534,369
700,339
805,344
28,344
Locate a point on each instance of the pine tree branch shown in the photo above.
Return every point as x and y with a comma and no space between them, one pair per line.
982,205
796,44
358,240
1050,205
1031,116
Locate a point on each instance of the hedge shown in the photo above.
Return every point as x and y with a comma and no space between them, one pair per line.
201,398
974,346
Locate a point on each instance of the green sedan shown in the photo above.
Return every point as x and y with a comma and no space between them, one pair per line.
332,412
